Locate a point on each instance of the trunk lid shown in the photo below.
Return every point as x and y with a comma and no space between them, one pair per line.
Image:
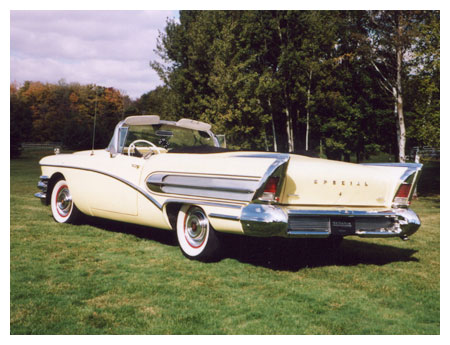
320,182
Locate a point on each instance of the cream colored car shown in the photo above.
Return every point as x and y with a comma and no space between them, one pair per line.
175,176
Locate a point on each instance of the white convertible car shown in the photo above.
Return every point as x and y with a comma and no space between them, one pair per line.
174,176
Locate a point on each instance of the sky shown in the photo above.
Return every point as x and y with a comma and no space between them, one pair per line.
107,48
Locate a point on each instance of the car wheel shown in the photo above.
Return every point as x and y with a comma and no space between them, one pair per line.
196,237
63,207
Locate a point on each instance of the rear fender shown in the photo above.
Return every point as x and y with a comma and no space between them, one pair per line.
410,176
277,169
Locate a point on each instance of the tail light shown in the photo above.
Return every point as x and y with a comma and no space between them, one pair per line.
270,190
402,196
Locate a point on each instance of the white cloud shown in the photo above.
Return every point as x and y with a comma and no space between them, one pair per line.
110,48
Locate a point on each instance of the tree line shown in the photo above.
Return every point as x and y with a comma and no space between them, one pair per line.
63,113
338,82
66,113
342,82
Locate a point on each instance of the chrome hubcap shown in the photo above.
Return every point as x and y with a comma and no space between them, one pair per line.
63,201
195,227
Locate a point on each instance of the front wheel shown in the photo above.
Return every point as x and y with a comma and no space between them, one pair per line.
63,207
197,239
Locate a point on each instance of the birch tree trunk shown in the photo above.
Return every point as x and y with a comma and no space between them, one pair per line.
289,129
307,111
401,130
290,132
395,35
274,133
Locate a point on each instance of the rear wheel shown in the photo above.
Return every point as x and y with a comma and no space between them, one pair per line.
63,207
197,239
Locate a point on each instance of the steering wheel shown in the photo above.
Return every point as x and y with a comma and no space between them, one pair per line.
133,145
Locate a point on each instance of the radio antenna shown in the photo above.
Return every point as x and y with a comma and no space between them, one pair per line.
95,120
122,93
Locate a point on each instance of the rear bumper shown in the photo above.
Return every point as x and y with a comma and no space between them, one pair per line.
272,220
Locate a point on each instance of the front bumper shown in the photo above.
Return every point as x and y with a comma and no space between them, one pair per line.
43,186
273,220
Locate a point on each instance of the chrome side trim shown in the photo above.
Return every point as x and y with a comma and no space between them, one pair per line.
274,155
148,196
223,216
132,185
202,186
200,202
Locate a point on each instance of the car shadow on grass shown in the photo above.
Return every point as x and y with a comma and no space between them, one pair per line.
296,254
143,232
276,253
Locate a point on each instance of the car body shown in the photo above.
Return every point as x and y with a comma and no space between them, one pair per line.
174,176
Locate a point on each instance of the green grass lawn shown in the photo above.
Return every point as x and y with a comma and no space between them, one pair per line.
105,277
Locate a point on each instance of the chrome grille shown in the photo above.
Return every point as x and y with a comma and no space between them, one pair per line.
322,223
373,223
297,223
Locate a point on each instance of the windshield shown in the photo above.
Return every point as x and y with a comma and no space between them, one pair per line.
166,136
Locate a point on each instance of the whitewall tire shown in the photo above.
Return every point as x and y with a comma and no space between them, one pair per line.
63,207
197,239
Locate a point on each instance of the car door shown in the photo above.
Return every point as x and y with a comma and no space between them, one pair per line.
115,188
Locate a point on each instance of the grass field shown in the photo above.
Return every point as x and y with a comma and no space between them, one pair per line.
105,277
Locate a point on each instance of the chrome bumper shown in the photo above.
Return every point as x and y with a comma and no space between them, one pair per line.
42,185
272,220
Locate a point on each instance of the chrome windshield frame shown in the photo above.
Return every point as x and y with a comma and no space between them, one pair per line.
114,145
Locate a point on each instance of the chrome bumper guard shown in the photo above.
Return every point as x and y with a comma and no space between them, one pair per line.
271,220
42,185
